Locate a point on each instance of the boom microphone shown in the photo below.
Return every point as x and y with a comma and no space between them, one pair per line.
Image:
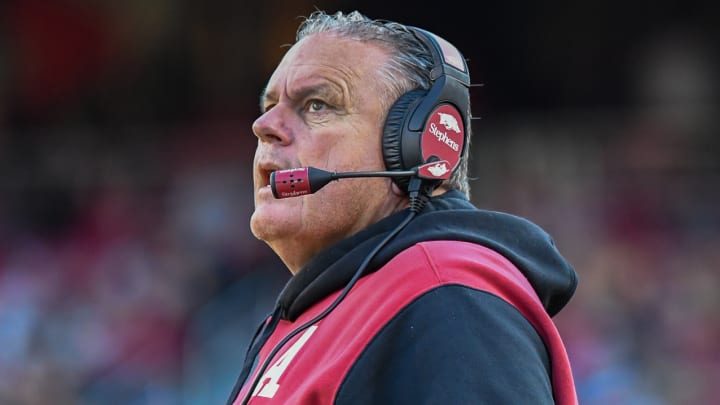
307,180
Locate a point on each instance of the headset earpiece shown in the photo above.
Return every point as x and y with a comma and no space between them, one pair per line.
393,135
423,125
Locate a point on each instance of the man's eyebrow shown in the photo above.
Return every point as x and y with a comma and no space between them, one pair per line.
326,90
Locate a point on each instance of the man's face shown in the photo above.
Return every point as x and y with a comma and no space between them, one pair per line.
322,108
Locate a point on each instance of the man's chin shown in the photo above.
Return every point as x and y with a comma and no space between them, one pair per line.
267,226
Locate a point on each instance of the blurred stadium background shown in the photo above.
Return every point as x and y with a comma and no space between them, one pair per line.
127,271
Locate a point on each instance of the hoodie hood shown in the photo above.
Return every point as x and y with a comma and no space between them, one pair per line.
450,216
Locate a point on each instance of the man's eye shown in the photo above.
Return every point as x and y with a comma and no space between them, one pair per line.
316,105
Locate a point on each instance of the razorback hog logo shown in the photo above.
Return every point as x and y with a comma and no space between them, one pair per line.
449,122
443,136
438,169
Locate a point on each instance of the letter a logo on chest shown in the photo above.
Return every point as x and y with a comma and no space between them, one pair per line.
269,384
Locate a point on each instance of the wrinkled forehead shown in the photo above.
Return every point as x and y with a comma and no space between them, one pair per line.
338,59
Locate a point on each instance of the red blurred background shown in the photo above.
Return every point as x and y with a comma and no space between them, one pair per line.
127,271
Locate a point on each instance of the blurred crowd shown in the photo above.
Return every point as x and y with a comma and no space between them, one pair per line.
128,274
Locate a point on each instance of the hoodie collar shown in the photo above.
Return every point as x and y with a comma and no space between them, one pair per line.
449,216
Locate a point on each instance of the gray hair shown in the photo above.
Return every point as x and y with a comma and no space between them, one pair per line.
408,67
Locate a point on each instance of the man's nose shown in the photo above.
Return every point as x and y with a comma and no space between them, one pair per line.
273,126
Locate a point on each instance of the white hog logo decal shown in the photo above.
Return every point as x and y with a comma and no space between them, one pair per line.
449,122
438,170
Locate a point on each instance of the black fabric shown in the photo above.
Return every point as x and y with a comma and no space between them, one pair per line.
262,334
462,344
450,216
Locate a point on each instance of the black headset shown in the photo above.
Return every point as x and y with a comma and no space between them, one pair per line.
425,125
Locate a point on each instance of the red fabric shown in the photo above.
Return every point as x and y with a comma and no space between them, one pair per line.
317,371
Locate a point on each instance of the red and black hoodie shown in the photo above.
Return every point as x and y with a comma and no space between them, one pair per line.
455,309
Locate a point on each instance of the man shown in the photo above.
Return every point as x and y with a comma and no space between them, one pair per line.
402,292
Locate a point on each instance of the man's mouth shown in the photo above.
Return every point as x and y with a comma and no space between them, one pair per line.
264,169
